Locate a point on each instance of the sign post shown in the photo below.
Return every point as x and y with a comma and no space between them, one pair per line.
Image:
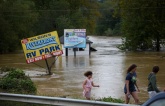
42,47
74,49
49,69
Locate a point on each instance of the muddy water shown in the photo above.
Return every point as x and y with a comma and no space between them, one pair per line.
108,64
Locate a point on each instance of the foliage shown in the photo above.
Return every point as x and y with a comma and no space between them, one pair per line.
110,99
62,14
108,32
21,19
142,23
17,82
16,21
114,32
108,23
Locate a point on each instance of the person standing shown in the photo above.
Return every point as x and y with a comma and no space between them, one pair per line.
152,85
129,88
87,85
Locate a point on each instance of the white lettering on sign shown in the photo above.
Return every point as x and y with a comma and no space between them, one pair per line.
38,58
57,53
30,60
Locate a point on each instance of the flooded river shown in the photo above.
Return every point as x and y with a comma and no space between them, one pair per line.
108,64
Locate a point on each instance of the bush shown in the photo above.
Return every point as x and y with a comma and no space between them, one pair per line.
113,32
110,99
17,82
109,32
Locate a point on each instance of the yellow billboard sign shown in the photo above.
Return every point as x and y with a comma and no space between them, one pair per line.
41,47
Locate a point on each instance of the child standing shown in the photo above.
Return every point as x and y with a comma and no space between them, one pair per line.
87,85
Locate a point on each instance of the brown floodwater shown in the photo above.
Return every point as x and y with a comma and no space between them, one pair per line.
108,64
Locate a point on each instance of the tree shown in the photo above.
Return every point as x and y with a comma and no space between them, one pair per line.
49,11
108,23
16,23
66,14
25,18
142,23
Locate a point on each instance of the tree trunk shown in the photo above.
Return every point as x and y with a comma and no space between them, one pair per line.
157,43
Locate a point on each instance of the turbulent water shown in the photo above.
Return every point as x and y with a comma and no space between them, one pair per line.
108,64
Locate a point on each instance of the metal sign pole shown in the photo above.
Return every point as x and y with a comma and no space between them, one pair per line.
74,49
49,69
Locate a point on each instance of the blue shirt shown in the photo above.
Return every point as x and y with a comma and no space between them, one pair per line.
131,77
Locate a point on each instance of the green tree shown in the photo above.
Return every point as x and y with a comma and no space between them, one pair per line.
108,23
16,21
25,18
49,11
143,22
65,14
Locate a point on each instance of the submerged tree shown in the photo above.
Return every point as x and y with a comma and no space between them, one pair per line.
143,23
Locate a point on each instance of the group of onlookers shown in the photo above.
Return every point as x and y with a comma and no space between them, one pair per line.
131,86
130,83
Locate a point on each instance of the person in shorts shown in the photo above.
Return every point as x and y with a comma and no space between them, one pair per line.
129,88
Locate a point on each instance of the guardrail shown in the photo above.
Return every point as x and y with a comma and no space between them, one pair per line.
54,100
